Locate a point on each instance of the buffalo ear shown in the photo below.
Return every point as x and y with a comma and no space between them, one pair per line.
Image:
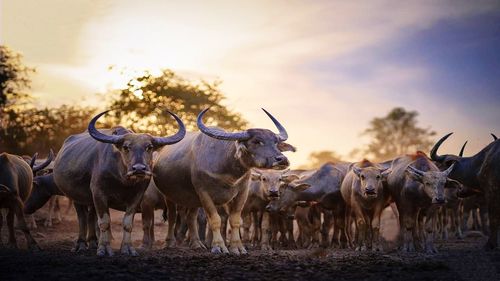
301,186
289,178
241,149
356,170
385,172
283,146
413,175
452,184
255,176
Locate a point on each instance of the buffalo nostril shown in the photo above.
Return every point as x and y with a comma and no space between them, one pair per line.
280,158
139,167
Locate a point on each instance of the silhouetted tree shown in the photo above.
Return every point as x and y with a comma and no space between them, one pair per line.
395,134
318,158
140,104
14,78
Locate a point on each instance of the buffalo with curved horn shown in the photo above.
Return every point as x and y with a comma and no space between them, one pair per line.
481,172
211,168
105,169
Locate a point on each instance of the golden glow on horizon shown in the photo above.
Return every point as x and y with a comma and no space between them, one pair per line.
261,50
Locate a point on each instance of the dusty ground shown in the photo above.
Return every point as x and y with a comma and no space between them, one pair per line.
457,260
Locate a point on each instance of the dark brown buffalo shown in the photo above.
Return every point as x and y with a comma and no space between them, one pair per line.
108,169
16,178
481,172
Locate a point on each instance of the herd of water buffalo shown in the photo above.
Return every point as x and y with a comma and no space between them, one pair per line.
213,177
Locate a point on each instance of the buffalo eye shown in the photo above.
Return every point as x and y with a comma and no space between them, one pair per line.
264,179
258,142
362,177
126,148
378,177
149,148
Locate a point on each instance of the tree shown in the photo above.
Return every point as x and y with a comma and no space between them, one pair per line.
14,78
36,130
318,158
396,134
140,104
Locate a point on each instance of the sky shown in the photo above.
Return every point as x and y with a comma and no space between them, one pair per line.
323,68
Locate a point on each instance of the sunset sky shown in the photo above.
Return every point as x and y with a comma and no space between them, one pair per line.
323,68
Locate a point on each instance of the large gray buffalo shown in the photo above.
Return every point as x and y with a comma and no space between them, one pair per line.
108,169
481,172
211,168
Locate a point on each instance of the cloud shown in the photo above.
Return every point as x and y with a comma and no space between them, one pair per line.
321,68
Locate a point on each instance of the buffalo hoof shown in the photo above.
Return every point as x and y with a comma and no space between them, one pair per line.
34,248
102,250
266,247
129,251
238,250
170,243
430,249
146,247
92,245
79,246
219,250
196,245
490,246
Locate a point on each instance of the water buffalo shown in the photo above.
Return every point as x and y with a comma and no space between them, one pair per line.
108,169
263,187
418,188
16,177
481,172
211,168
363,192
322,186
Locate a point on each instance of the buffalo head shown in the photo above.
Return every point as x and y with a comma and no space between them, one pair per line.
270,182
371,180
258,148
136,150
433,182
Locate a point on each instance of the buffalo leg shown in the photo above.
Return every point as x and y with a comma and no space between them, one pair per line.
235,208
48,220
266,231
214,221
1,225
18,209
147,214
202,224
81,212
172,215
10,225
431,217
104,223
91,228
192,223
493,213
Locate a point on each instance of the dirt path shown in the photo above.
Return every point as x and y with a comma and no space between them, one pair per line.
457,260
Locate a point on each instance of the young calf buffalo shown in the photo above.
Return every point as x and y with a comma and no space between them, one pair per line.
363,191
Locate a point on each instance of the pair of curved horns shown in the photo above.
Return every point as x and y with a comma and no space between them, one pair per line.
116,139
238,136
37,168
439,158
